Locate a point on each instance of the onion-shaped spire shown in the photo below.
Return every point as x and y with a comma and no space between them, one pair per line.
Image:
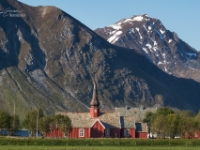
94,102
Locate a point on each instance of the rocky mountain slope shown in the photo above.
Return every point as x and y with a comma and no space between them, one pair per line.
48,60
161,46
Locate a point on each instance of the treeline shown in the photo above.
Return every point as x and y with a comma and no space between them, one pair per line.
166,123
36,122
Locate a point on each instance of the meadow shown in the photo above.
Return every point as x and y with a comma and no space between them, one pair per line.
14,143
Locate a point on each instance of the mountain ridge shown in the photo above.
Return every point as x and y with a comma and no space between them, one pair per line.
161,46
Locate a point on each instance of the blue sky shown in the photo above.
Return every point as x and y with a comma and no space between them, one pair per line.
180,16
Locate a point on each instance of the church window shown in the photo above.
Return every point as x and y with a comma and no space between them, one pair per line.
126,132
81,132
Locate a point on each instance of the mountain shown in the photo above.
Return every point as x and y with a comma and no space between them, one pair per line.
48,60
162,47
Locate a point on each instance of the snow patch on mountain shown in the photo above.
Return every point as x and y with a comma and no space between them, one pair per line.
138,18
149,46
149,27
138,29
166,69
115,37
135,18
128,20
161,31
155,43
115,26
158,32
145,27
145,50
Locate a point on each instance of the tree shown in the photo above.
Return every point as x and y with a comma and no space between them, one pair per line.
15,123
148,119
187,123
8,122
167,122
188,126
197,119
163,122
5,121
172,122
186,114
164,111
63,123
45,125
40,113
31,119
159,125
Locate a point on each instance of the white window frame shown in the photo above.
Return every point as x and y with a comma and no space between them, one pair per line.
126,132
81,133
195,134
107,132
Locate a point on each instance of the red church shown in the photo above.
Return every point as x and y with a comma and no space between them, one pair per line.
98,124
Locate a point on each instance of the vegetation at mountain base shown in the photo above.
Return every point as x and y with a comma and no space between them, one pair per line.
168,123
35,121
31,121
63,123
11,123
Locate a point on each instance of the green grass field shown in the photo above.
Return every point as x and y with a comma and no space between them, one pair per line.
8,143
96,148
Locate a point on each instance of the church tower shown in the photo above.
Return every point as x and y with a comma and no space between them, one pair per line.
94,104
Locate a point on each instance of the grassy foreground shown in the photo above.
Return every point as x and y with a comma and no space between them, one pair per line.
96,148
12,143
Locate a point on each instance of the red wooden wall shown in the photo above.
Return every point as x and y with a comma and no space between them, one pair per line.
131,133
115,133
142,135
75,133
97,130
56,133
196,135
